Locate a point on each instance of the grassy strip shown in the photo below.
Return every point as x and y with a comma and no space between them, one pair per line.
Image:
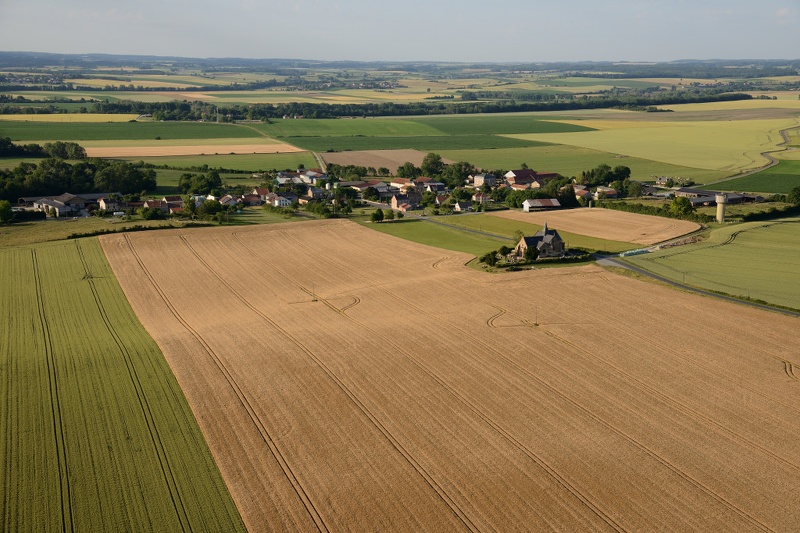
439,236
99,436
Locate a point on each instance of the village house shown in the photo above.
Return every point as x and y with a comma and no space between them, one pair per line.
462,207
479,180
156,204
547,242
261,192
402,202
604,192
481,198
251,200
529,177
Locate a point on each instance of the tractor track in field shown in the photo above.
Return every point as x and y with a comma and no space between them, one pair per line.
688,411
244,401
365,411
638,444
65,489
551,472
144,404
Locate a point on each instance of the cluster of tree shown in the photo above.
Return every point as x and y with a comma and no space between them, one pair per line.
54,176
64,150
604,175
678,208
209,183
380,215
433,166
207,111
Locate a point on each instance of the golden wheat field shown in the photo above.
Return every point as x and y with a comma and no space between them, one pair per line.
348,380
606,224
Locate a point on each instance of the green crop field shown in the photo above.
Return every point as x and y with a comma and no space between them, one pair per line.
499,124
768,249
432,143
98,435
781,179
44,131
342,127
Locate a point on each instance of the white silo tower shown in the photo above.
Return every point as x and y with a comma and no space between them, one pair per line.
722,199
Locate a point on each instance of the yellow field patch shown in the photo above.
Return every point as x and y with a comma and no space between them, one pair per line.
714,145
783,102
71,117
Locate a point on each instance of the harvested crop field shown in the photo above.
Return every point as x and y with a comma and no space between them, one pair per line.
607,224
390,159
348,380
156,151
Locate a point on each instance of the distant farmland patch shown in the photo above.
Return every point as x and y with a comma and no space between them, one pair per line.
51,131
390,159
780,179
435,143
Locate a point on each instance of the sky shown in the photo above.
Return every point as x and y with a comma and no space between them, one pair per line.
409,30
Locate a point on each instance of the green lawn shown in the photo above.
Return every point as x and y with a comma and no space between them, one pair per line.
439,236
97,433
768,249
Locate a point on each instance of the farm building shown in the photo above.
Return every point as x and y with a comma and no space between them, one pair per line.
462,207
529,177
537,204
547,241
479,180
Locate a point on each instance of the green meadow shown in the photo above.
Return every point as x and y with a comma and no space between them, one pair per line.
780,179
768,249
98,435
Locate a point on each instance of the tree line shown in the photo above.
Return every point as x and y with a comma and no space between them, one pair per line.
204,111
54,176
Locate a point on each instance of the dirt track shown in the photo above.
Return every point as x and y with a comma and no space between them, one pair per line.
348,380
607,224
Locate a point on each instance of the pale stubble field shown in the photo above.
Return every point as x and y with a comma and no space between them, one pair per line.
345,379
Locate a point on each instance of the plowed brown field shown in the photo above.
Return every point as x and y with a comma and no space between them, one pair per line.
607,224
348,380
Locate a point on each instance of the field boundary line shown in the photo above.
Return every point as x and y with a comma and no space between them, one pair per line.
244,401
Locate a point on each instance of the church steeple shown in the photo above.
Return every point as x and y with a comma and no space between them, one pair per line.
544,229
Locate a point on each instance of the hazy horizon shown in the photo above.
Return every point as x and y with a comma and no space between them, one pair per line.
644,31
